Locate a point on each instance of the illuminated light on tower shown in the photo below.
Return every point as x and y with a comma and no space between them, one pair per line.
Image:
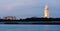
46,12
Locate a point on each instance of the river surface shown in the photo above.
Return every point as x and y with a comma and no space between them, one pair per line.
19,27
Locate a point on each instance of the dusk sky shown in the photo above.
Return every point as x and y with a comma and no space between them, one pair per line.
29,8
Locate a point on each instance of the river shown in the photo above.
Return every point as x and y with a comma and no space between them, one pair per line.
19,27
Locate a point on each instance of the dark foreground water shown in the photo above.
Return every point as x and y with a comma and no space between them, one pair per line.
15,27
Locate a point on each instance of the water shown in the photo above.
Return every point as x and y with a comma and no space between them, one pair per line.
15,27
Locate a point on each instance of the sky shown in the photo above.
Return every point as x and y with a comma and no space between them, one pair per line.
29,8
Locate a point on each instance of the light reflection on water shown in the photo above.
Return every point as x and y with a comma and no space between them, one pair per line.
15,27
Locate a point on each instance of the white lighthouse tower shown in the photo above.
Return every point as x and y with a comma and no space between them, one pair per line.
46,12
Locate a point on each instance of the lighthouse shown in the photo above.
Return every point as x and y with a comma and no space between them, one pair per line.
46,11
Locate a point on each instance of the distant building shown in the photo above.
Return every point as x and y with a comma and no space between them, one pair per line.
10,18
